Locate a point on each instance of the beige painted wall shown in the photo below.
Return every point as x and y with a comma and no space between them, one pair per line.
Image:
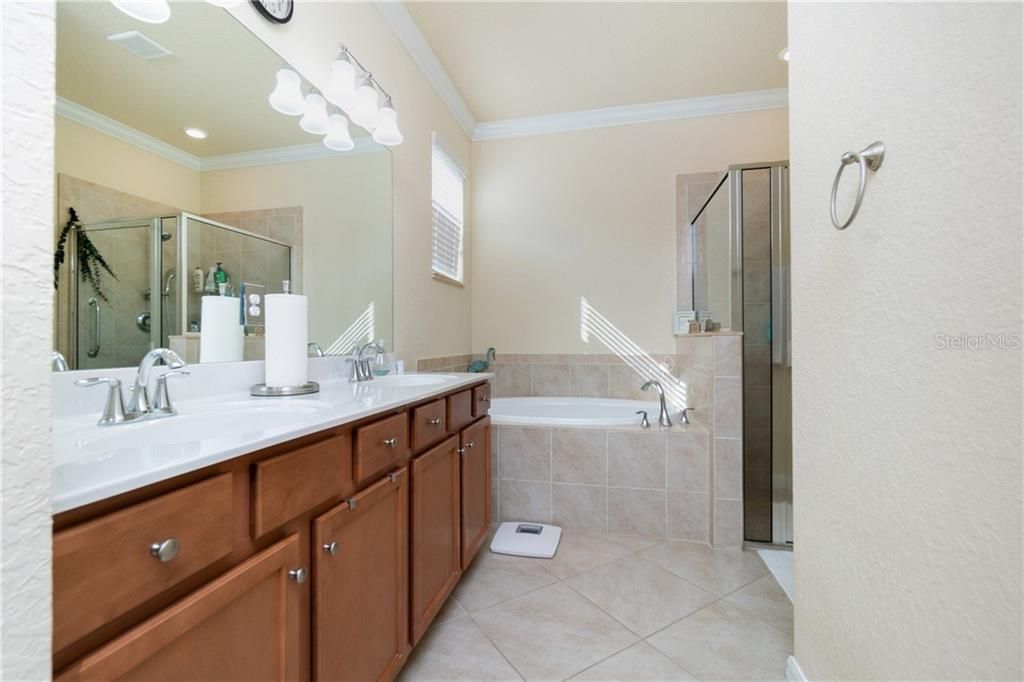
907,455
431,318
90,155
592,213
346,207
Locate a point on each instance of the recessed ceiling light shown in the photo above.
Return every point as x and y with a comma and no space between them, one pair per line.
197,133
784,54
149,11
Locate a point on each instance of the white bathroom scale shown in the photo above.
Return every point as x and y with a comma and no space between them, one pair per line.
537,540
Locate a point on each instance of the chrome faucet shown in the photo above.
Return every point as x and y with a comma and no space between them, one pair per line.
314,350
663,418
361,366
57,362
139,406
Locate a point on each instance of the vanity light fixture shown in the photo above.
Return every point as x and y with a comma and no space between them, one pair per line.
338,137
148,11
287,95
365,112
784,54
197,133
387,132
315,119
341,88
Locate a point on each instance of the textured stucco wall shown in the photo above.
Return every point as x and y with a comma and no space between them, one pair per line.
27,290
907,456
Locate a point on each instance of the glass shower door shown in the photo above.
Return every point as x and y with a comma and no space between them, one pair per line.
114,314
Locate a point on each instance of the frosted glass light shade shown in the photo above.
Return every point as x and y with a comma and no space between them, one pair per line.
338,137
387,132
149,11
364,113
315,119
287,95
341,88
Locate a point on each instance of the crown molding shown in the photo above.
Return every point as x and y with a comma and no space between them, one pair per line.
259,157
97,121
668,110
409,34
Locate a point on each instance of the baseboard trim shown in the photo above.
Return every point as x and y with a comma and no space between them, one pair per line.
793,671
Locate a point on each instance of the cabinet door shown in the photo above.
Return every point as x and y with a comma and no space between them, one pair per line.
361,584
476,488
435,527
242,626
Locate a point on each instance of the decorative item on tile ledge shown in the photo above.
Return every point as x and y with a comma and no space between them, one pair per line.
350,88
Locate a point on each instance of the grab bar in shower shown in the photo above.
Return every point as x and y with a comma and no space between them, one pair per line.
95,350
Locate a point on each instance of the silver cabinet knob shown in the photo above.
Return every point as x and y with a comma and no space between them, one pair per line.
485,399
436,421
469,445
298,575
330,547
391,442
165,550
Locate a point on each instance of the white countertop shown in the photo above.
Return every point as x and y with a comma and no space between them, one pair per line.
92,463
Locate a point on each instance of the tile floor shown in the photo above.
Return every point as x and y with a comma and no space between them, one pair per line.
611,607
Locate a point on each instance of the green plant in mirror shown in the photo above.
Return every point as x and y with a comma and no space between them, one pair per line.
91,262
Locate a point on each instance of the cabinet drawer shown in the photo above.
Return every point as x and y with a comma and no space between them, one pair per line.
481,400
381,445
460,409
428,424
290,484
106,567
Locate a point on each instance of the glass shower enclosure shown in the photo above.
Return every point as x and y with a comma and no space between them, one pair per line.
739,241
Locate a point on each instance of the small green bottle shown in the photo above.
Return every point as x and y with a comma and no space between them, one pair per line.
219,276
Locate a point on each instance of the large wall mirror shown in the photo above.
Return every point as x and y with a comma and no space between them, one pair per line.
185,186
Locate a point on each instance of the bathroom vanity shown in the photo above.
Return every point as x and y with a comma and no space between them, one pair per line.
323,556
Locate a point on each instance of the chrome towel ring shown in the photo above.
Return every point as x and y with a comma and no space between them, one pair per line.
869,157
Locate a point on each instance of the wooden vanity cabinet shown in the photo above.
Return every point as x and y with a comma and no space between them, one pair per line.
475,503
242,626
361,584
435,532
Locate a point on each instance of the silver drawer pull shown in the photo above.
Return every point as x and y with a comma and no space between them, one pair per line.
436,421
469,445
391,442
298,575
166,550
330,548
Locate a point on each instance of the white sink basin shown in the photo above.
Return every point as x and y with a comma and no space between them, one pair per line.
414,379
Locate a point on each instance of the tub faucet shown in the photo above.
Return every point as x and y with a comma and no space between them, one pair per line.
663,418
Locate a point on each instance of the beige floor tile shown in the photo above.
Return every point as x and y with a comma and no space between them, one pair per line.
552,633
457,650
581,551
494,578
719,571
643,597
721,642
765,600
450,611
639,662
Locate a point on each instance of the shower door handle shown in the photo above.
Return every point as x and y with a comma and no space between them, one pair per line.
95,350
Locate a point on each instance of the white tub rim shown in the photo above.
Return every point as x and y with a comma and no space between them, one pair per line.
503,413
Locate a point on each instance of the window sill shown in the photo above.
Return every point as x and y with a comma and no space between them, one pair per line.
448,280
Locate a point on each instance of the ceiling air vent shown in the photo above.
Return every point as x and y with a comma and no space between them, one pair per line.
139,45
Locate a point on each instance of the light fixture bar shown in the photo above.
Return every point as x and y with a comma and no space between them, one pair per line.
366,72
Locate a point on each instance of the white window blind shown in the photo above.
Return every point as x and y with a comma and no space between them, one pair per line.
446,204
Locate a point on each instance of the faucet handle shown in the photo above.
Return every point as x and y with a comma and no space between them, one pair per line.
162,402
684,416
644,422
113,411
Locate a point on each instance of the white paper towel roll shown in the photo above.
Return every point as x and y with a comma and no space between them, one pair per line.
287,363
221,335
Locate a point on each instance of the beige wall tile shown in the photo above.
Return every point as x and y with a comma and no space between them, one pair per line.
728,356
688,462
495,441
583,507
512,381
624,382
589,380
495,500
525,453
728,408
688,515
551,380
636,459
525,501
579,456
636,512
729,468
728,531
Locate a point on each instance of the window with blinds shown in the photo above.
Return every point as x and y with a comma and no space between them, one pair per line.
446,204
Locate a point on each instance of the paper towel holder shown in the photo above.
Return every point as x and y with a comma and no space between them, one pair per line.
264,391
